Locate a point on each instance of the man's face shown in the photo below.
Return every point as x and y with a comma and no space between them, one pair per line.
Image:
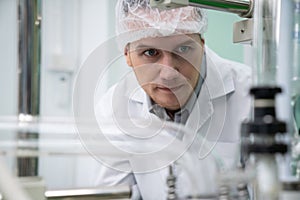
167,68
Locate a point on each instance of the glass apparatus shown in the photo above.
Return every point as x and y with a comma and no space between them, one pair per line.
296,66
295,89
263,134
265,41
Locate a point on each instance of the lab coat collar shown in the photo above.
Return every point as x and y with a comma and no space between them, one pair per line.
134,91
219,79
218,83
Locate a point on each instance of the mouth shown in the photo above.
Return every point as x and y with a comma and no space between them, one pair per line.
169,89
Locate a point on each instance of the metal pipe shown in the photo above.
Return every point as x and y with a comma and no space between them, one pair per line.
29,57
267,177
241,7
29,74
115,192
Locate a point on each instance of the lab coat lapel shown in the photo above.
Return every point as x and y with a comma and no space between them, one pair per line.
218,83
202,111
152,184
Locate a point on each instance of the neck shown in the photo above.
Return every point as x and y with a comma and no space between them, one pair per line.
171,113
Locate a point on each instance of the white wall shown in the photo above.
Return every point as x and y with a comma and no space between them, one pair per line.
8,57
72,30
219,35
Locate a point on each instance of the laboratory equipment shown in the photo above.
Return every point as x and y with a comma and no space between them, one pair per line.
261,133
266,42
242,30
117,192
57,139
171,182
242,7
295,87
29,16
296,64
290,190
259,139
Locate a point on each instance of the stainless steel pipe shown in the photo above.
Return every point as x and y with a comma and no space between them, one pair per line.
29,57
114,192
29,74
244,8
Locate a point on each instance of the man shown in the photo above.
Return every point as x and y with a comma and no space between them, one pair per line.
176,78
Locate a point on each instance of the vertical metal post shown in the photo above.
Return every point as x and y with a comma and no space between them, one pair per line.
29,75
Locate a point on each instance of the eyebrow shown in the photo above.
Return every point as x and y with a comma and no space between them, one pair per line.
145,46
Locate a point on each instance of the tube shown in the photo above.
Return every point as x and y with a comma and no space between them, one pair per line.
29,57
296,47
296,67
284,62
265,41
268,181
29,75
115,192
241,7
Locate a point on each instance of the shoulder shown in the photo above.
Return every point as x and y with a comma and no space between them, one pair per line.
103,105
119,97
240,72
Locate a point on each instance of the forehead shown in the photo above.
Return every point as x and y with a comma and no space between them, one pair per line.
167,42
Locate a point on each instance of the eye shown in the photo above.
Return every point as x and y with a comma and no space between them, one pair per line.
183,49
151,52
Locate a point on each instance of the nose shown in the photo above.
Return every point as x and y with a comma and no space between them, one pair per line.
168,69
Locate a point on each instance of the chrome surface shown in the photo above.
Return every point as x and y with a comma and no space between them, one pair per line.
29,57
115,192
243,8
243,31
29,74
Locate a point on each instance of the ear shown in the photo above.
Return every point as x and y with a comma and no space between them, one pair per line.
127,55
202,39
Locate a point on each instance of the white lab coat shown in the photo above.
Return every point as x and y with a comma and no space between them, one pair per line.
222,105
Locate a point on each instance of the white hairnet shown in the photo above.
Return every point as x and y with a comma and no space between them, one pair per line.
135,19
